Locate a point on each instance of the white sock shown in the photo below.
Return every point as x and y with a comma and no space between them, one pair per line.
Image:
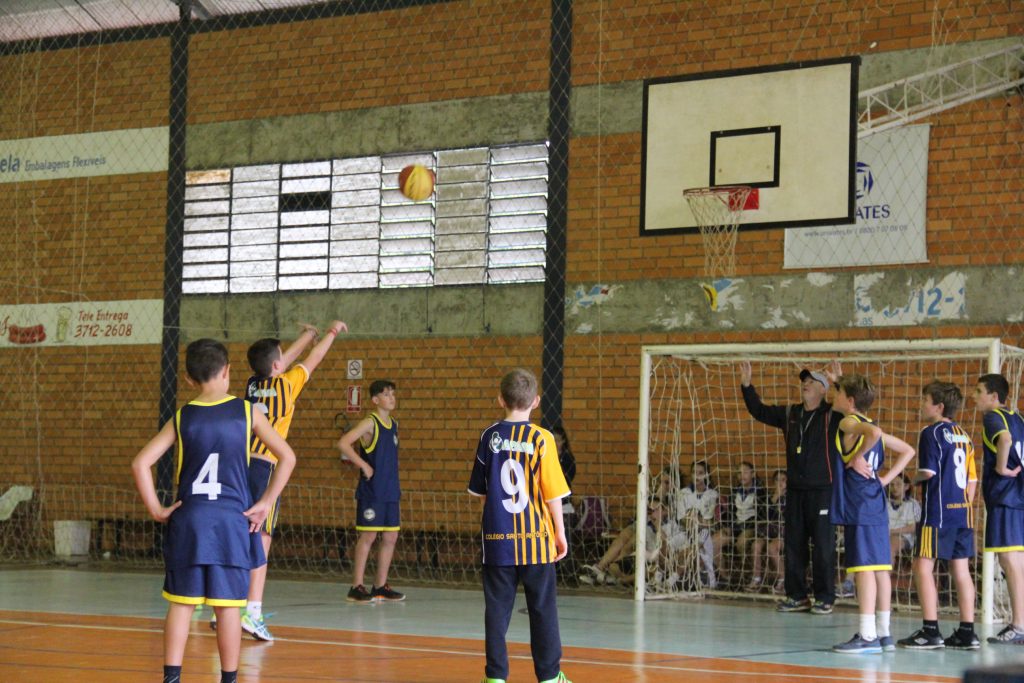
254,610
883,623
867,627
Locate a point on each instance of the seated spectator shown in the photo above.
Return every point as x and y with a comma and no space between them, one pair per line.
769,524
696,508
620,553
738,528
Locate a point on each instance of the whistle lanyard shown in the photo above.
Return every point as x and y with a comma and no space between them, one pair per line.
803,429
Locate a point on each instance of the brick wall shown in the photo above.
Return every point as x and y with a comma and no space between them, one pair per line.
90,410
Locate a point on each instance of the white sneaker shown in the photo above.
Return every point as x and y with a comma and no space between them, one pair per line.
257,628
593,576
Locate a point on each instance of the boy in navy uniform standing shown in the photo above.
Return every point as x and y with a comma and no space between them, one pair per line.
517,474
859,504
378,493
946,531
1001,487
211,542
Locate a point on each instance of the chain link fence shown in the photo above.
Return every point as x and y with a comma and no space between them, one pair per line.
171,173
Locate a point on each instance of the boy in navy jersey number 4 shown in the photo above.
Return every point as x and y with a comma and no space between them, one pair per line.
946,531
378,493
1004,496
211,542
860,506
517,474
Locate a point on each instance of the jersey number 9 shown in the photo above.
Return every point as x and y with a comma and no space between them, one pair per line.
513,481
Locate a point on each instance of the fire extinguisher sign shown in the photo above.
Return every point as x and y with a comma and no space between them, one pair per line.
355,399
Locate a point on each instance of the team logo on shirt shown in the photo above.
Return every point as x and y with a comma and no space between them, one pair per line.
499,444
947,436
369,515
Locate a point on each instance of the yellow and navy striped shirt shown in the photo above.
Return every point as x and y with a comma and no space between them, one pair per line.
276,396
517,470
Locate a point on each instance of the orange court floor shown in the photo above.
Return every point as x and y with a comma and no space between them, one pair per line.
61,624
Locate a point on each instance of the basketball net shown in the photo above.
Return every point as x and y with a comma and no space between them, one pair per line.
717,211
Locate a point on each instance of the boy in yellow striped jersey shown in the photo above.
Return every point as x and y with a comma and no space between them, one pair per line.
517,474
273,389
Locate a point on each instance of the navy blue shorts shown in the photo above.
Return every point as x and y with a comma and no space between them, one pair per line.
867,548
938,543
209,584
1004,529
374,516
259,478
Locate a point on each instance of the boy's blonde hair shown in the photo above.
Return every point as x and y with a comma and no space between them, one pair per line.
518,389
859,388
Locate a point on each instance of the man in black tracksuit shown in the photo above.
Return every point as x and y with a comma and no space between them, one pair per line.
809,429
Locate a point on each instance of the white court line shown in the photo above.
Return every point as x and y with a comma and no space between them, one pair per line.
865,675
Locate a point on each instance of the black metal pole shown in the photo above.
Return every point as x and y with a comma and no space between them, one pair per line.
553,333
174,236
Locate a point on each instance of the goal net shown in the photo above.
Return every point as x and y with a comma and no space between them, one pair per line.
692,411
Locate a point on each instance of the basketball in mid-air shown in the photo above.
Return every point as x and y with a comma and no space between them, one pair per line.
416,182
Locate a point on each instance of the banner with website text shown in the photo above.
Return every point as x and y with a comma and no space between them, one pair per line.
892,179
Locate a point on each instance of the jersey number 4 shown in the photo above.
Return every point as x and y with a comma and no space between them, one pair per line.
206,481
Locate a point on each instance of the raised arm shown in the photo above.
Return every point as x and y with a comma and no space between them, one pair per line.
320,350
308,335
774,416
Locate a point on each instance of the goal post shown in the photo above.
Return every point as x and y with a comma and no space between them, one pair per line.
692,409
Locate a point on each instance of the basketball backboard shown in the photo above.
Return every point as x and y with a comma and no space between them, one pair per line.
788,130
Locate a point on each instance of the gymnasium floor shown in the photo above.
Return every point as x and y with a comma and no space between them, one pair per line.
66,624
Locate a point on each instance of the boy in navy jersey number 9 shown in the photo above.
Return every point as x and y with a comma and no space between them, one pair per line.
517,474
211,542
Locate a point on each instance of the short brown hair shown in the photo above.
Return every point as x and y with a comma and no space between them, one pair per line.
859,388
946,393
518,389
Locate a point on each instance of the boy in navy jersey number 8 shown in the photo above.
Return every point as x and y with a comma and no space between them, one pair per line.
946,532
517,474
211,542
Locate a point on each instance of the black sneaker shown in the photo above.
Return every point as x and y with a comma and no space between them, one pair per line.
360,594
922,640
791,605
386,594
963,640
820,607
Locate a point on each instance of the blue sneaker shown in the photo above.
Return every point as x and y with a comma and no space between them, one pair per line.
858,646
1009,636
887,643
